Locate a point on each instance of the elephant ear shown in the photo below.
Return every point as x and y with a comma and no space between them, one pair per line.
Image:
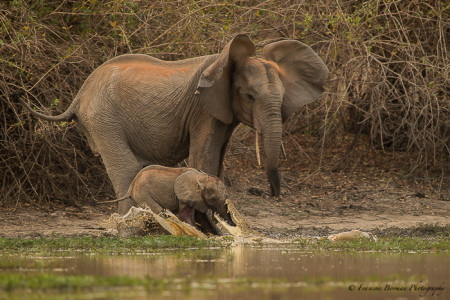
302,72
188,189
214,83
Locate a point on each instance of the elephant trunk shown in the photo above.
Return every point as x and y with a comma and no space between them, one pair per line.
272,145
271,132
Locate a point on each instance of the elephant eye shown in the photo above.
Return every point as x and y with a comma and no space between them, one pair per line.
250,96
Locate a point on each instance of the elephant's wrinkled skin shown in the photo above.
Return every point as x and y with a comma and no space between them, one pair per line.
180,190
137,110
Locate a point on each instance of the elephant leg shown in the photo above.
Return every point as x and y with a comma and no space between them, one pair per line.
221,173
122,174
145,196
122,165
207,146
228,133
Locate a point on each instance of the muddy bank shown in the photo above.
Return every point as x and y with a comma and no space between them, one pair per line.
372,193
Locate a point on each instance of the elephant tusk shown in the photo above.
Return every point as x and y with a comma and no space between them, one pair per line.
283,151
258,157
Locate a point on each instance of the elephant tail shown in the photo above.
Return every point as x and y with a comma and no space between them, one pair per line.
68,115
115,200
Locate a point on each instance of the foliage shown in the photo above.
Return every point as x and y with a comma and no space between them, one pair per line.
388,62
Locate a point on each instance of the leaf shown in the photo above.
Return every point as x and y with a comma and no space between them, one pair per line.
55,102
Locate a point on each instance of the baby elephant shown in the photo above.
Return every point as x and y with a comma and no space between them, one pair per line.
181,190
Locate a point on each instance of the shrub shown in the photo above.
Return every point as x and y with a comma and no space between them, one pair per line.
388,64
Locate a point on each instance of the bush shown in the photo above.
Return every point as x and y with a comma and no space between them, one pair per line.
388,64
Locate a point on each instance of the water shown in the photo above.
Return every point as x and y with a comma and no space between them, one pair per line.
262,273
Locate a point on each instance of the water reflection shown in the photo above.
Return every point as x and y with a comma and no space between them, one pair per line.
246,262
266,273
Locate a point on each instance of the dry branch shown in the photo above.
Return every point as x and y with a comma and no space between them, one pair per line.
389,76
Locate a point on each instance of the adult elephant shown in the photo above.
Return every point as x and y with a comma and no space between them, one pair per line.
137,110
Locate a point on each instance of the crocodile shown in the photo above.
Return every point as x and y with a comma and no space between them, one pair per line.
132,223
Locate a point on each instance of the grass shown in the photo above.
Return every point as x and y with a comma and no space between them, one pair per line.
83,283
9,282
102,245
385,244
115,245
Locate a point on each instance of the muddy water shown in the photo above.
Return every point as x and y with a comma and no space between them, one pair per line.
267,273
